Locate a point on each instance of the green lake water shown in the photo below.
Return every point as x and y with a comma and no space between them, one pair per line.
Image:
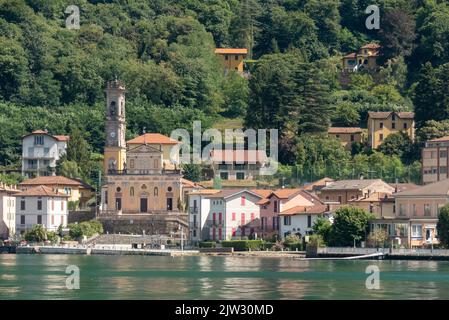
153,277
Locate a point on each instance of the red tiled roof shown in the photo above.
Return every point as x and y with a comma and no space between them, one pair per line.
344,130
40,191
238,156
285,193
315,209
351,55
152,138
318,183
51,180
231,51
62,138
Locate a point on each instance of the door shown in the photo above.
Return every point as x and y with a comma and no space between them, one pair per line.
143,205
169,204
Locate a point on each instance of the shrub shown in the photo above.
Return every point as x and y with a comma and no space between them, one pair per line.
36,234
207,244
86,228
243,245
316,240
52,236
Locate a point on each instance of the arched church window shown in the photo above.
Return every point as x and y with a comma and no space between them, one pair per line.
119,189
144,187
169,189
156,191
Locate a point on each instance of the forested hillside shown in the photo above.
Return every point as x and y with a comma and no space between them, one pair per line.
163,50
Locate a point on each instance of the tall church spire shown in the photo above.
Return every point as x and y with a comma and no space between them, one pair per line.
115,148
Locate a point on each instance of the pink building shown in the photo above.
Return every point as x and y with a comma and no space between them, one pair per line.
282,201
234,214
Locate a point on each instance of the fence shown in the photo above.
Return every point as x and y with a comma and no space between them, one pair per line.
390,251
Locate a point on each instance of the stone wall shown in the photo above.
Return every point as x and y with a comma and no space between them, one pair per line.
150,224
80,216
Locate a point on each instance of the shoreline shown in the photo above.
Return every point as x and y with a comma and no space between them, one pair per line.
296,255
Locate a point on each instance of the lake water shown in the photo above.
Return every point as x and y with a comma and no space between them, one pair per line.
201,277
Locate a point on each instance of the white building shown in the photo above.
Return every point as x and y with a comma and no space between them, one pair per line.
199,208
233,214
41,205
299,220
40,152
7,210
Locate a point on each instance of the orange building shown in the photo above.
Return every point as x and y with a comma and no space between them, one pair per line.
232,58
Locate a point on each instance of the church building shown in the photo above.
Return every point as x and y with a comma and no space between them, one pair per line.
141,179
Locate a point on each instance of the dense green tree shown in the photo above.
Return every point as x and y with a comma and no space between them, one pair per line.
400,145
443,226
430,94
346,115
350,226
432,130
397,34
192,172
323,227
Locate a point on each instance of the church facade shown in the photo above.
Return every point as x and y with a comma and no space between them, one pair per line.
141,179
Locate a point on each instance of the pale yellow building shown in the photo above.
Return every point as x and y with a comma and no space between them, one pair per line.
346,136
232,58
382,124
365,58
77,191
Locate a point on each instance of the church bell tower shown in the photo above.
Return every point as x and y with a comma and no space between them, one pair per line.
115,148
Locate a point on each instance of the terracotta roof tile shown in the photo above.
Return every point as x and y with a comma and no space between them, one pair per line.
40,191
231,51
315,209
371,46
52,180
204,192
318,184
344,130
152,138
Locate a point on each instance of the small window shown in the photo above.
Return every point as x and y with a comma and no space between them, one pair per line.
287,221
39,204
393,117
156,191
39,219
381,125
393,125
119,189
22,205
39,140
352,138
236,57
405,125
381,137
169,189
131,191
240,175
337,136
309,221
22,219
